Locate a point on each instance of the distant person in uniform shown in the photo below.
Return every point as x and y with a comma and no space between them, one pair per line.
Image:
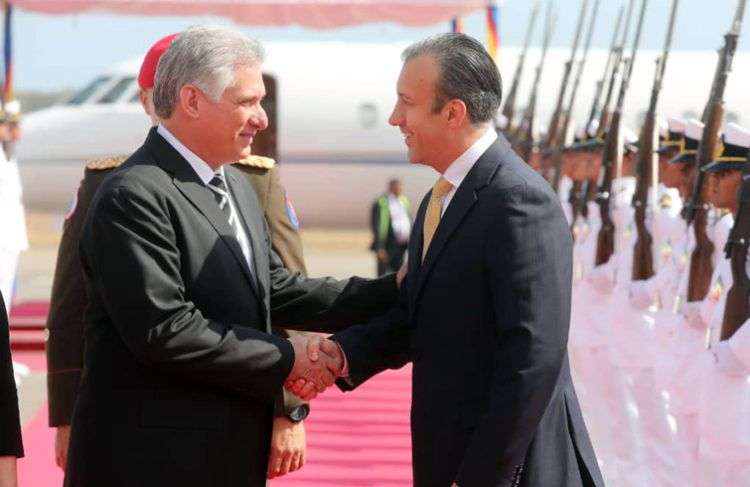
11,447
391,225
68,300
13,240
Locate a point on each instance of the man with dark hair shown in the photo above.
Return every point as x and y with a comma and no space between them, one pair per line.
391,224
485,307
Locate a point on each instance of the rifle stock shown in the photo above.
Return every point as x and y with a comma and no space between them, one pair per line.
643,258
701,264
510,99
612,158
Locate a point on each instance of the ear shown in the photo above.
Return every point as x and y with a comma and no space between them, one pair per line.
190,100
456,113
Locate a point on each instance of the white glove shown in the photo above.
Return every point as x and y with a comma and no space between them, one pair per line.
726,360
640,294
601,278
692,313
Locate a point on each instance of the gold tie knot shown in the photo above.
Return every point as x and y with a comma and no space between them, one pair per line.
441,188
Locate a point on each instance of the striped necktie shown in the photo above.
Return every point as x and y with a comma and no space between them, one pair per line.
434,212
221,193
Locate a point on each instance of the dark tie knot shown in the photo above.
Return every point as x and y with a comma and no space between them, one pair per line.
218,182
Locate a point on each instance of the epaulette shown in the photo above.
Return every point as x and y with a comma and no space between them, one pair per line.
257,161
105,163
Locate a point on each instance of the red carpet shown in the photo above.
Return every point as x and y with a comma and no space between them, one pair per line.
358,439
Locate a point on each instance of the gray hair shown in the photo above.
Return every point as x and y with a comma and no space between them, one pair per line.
467,73
204,56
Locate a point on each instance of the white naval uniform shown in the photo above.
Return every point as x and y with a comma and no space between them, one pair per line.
723,419
13,224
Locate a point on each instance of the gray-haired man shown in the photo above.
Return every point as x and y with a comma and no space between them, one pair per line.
181,372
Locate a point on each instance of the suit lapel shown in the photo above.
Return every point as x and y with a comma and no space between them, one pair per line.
246,205
463,200
190,185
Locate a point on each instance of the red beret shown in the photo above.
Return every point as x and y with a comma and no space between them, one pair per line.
148,68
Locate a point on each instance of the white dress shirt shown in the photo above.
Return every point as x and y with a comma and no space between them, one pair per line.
206,174
399,219
457,171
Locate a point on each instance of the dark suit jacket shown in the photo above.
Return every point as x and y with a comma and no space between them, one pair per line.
485,322
68,299
10,426
180,369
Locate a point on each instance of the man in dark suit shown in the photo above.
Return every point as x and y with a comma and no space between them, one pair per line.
484,311
10,426
181,372
391,225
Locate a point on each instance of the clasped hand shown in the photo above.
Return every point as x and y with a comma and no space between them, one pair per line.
318,362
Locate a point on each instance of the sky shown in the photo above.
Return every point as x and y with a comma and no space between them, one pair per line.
66,51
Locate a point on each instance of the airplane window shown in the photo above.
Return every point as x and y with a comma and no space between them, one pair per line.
89,90
117,90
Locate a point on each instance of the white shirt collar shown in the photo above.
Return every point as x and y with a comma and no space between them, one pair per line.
201,168
459,168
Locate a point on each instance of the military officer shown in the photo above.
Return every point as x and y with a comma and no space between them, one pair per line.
68,300
723,450
12,217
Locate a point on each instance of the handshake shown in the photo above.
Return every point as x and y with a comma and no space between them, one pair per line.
318,362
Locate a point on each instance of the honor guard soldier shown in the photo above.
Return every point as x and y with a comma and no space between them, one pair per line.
723,448
391,225
12,216
65,341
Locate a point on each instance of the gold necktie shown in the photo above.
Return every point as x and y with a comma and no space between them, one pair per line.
434,210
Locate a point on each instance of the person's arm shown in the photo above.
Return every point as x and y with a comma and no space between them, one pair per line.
530,281
325,304
143,291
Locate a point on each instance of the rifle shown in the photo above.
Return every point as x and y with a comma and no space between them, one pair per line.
737,307
696,211
600,83
604,119
524,135
554,125
557,152
510,99
573,196
643,259
612,157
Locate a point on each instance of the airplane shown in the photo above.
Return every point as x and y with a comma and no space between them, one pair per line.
329,104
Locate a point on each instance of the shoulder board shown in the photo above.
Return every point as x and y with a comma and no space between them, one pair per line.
257,161
105,163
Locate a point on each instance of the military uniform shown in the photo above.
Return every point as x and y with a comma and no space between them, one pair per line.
12,221
68,301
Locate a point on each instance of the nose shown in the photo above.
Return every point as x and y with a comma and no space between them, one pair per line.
259,119
396,118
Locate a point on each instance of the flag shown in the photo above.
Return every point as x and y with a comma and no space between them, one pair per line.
8,54
457,24
493,28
